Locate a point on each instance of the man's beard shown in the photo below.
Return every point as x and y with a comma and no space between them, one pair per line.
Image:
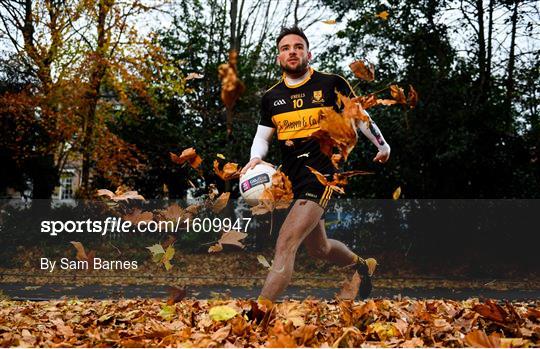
300,68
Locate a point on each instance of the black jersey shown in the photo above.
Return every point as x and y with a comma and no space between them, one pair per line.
294,111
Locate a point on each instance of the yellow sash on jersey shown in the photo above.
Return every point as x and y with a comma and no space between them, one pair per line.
297,124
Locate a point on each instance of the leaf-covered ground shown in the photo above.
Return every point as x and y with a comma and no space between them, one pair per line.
245,323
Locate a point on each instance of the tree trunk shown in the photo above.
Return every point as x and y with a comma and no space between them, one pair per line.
511,61
92,96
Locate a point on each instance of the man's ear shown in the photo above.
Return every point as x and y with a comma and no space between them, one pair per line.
309,56
277,60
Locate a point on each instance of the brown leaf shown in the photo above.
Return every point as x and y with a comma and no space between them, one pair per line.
138,216
362,71
215,248
176,295
398,94
479,339
221,334
170,241
83,256
232,237
350,288
230,170
231,86
491,310
172,213
188,155
336,159
413,97
278,196
221,202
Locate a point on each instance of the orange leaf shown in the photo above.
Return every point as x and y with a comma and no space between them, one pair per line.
231,86
479,339
221,202
189,155
230,170
278,196
138,216
413,97
398,94
350,288
362,71
232,237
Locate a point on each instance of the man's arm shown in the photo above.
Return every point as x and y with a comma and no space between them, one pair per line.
259,148
372,132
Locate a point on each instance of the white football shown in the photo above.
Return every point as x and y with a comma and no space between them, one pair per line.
254,181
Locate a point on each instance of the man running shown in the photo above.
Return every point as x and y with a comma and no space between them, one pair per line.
292,108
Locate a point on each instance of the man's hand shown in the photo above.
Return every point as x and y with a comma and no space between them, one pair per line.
383,155
252,163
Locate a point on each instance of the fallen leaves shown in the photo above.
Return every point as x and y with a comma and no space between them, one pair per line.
245,323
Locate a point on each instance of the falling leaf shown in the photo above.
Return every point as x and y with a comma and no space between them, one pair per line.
397,193
192,76
231,86
221,202
329,21
188,155
263,261
160,255
412,97
350,288
278,196
222,313
398,94
215,248
339,180
233,237
289,143
221,156
383,15
120,194
170,241
230,170
336,159
176,294
83,256
362,71
138,216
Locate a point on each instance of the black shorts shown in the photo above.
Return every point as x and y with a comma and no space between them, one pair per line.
313,191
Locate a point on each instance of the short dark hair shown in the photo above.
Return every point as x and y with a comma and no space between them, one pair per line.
291,30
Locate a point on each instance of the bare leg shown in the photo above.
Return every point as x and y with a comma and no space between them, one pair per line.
300,222
333,251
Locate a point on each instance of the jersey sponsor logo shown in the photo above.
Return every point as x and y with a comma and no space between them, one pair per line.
252,182
311,195
279,102
317,97
297,124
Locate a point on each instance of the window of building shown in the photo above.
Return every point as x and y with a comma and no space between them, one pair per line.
66,188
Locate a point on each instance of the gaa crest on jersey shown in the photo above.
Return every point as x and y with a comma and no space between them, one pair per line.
317,97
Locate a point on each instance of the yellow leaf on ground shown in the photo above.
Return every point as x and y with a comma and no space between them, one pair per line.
222,313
